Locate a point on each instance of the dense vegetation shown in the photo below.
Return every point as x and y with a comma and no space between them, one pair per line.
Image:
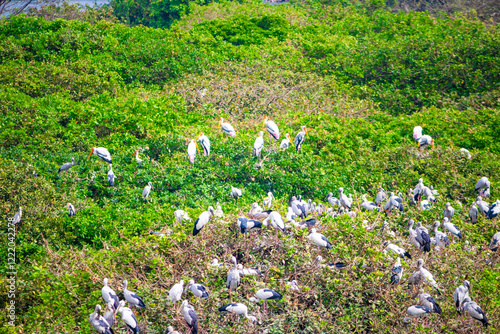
359,82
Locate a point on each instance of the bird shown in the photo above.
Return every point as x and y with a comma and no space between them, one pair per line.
268,200
239,309
190,316
473,213
481,185
285,143
424,275
304,224
465,153
109,295
264,295
319,239
248,271
147,190
197,289
132,298
425,141
495,242
170,330
139,160
99,323
396,272
233,277
293,285
258,145
102,153
218,210
475,311
369,206
203,219
227,128
494,210
441,238
256,212
71,209
128,317
417,132
66,166
276,221
191,151
181,215
413,234
482,206
236,193
398,250
425,205
299,139
449,211
272,128
427,300
297,207
17,217
460,294
175,293
418,191
416,311
111,176
393,202
110,314
345,201
423,237
247,225
381,195
452,228
205,143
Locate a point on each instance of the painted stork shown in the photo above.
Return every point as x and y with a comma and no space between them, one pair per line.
417,133
258,145
136,155
425,141
205,143
272,128
191,151
102,153
227,128
285,143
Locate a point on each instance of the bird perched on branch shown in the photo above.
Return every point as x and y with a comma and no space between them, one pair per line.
99,323
272,128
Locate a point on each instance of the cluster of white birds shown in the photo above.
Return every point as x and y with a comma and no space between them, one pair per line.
305,215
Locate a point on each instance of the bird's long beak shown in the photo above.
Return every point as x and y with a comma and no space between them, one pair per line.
432,144
305,129
91,151
197,148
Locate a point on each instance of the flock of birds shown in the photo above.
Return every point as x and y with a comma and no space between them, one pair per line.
303,215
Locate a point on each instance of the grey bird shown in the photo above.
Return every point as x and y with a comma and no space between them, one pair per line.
369,206
475,311
494,210
17,217
236,193
427,300
233,277
71,210
423,237
482,206
345,201
99,323
416,311
460,294
394,202
299,139
110,314
111,176
197,289
132,298
66,166
396,272
147,190
380,197
495,242
448,211
473,213
482,185
190,316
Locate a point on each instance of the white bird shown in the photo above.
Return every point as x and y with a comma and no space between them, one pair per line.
175,293
285,143
495,242
398,250
425,141
276,221
473,213
319,239
233,277
417,132
170,330
227,128
128,317
71,209
427,300
460,294
268,200
423,274
482,185
272,128
423,237
441,238
147,190
102,153
17,217
197,289
203,219
66,166
345,201
110,314
109,295
99,323
264,295
381,195
465,153
393,202
494,210
190,316
293,285
236,193
191,151
298,208
482,206
416,311
452,228
139,160
448,211
239,309
425,205
418,191
475,311
247,225
396,272
132,298
248,271
299,139
218,210
369,206
205,143
111,176
181,215
258,144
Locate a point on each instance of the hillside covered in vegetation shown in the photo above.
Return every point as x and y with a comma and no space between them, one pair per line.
360,82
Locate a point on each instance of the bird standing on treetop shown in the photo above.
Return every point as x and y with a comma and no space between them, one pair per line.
227,128
102,153
191,151
285,143
258,145
299,139
205,143
272,128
